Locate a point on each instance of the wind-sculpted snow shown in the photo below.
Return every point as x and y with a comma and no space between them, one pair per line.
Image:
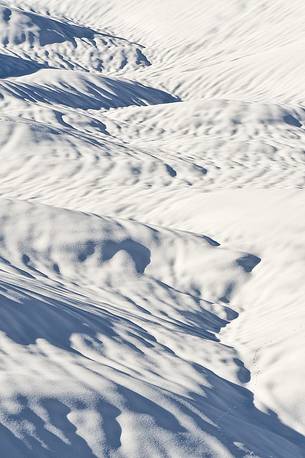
61,44
152,225
72,300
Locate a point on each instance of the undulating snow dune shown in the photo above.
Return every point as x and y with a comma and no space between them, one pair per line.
152,228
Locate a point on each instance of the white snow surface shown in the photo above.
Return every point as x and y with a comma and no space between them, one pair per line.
152,228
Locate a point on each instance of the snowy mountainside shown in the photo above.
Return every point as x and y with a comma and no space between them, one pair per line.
152,228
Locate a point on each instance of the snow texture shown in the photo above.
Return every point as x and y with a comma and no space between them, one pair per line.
152,228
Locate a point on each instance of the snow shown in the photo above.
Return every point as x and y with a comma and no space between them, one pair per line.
152,221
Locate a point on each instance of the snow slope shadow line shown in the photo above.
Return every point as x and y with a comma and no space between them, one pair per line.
30,316
102,93
203,323
223,403
12,66
235,412
225,411
55,319
45,443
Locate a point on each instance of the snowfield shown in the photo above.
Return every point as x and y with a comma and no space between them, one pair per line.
152,229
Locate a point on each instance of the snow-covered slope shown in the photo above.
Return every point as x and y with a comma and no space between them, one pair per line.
152,228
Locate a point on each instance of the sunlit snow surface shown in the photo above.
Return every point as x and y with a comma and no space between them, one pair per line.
152,228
